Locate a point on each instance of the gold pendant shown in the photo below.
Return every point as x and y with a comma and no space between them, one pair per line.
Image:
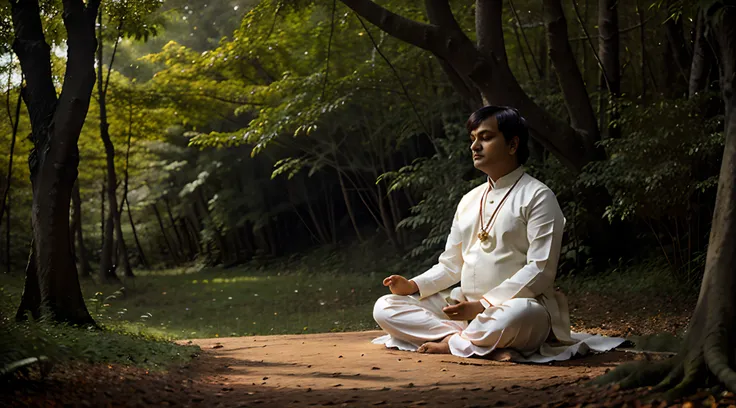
483,236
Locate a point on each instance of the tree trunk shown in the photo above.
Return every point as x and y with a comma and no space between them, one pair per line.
141,254
544,58
5,200
706,356
122,249
172,253
31,298
102,212
348,205
678,45
7,236
52,285
81,250
121,245
387,225
217,233
571,80
642,45
197,225
608,51
179,241
702,59
315,220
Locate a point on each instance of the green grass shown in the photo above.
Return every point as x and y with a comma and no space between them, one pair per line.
647,278
241,301
324,290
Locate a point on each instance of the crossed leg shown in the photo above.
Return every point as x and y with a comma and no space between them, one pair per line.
522,324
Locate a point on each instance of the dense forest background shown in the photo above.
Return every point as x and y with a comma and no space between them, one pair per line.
227,131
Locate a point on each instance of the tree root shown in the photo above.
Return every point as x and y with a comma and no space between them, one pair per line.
638,374
717,360
670,379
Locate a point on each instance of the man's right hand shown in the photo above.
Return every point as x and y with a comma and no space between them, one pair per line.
399,285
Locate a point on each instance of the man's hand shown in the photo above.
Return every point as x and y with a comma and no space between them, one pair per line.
464,310
399,285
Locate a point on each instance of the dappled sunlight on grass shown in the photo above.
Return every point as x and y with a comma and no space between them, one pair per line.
231,280
241,301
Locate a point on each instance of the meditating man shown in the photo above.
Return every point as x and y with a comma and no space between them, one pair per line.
503,248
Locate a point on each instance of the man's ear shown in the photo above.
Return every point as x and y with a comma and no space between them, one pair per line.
514,145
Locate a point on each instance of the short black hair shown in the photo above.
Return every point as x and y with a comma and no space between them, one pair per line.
510,123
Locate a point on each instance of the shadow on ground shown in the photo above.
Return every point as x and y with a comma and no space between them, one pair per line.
339,369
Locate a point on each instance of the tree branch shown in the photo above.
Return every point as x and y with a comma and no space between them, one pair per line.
490,36
425,36
440,14
571,80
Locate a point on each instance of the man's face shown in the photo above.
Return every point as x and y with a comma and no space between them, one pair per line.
489,146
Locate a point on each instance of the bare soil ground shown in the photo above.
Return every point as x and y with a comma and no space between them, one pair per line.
345,369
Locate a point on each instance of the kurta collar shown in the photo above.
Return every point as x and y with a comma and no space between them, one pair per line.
508,179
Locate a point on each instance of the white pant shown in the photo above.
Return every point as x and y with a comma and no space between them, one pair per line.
520,324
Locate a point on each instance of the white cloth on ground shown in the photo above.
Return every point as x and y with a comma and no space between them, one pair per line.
520,325
518,261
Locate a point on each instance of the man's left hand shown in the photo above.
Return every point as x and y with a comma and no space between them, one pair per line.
464,310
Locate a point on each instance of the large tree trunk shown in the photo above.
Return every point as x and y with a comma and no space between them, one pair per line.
52,285
81,250
484,64
571,80
608,52
707,352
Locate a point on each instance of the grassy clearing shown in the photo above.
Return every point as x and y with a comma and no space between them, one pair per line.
325,290
238,302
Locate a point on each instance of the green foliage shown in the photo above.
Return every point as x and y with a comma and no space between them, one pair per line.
668,155
439,182
662,174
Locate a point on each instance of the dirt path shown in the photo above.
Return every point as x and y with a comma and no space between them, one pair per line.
346,369
335,369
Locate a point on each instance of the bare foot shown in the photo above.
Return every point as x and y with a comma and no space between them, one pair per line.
436,347
433,347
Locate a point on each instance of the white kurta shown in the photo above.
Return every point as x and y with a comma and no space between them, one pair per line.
518,261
